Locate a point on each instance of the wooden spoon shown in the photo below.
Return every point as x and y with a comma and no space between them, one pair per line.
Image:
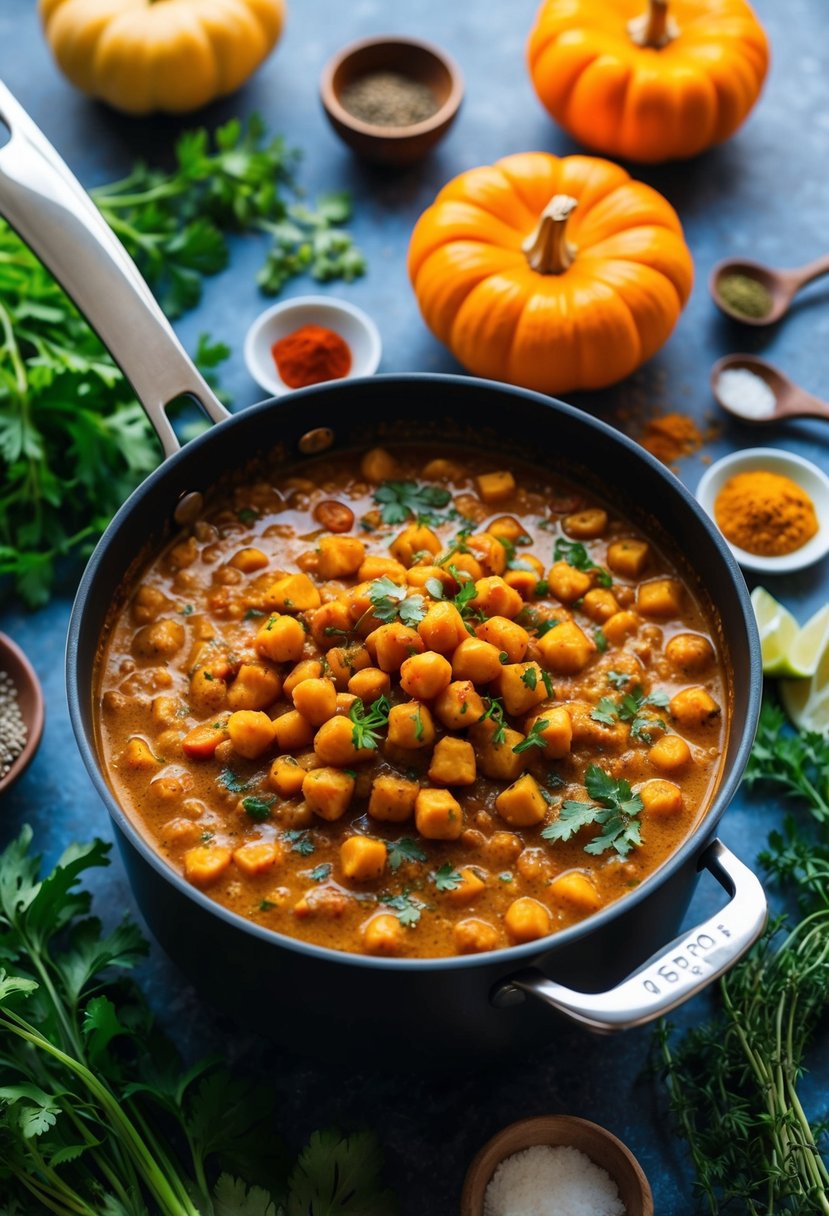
782,285
788,400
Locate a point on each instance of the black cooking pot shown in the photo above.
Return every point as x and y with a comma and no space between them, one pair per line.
474,1004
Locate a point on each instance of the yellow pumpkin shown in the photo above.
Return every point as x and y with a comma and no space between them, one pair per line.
648,80
552,273
175,55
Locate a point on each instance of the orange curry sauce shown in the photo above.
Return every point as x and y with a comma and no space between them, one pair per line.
413,705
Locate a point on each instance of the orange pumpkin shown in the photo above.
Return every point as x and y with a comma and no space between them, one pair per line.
648,85
552,273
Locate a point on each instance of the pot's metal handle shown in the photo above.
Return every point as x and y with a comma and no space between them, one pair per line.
691,962
46,204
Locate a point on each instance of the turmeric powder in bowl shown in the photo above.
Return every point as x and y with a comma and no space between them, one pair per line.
765,513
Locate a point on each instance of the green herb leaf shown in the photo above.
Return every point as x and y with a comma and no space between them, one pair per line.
575,554
300,842
400,500
367,723
530,678
321,872
446,878
258,807
339,1176
402,850
495,711
406,908
533,738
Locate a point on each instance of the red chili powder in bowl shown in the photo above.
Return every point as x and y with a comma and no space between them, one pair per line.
310,355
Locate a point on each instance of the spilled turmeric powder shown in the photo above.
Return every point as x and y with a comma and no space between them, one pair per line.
765,513
670,436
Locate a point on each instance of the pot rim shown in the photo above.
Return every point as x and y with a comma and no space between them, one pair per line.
509,955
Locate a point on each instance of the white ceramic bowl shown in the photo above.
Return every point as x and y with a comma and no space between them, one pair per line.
350,322
807,475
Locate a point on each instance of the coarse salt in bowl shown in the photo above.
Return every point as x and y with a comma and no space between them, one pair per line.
773,460
522,1169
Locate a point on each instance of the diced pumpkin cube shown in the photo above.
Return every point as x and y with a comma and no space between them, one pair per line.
362,858
464,564
494,597
453,762
424,676
496,487
509,528
373,567
392,798
286,776
505,636
331,624
527,583
334,744
205,863
255,687
294,593
251,732
207,693
201,742
280,639
474,936
418,576
248,560
308,669
567,583
586,525
628,557
392,644
526,919
417,538
438,815
693,707
378,465
575,890
459,705
344,661
566,649
489,551
477,661
661,597
498,760
470,887
557,731
522,804
370,683
328,792
316,700
621,625
660,799
257,857
138,754
411,726
340,556
600,604
292,731
384,935
521,686
670,754
442,628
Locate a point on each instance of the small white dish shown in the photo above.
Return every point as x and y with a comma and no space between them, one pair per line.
354,326
812,479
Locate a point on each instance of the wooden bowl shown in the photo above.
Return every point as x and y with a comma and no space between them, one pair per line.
421,62
595,1142
30,699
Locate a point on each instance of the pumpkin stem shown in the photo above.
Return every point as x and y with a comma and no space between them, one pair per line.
547,248
655,28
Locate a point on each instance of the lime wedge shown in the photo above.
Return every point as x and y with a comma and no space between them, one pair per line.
806,701
778,635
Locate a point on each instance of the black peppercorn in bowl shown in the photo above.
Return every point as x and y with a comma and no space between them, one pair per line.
391,98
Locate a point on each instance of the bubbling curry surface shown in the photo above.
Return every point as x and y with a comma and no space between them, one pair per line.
411,703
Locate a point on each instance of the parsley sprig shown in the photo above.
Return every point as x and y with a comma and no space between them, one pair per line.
615,809
400,500
97,1112
367,723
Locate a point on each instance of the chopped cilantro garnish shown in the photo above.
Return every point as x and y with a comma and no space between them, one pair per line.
259,806
447,878
390,602
300,842
368,722
321,872
534,738
495,711
530,678
575,554
406,907
600,640
228,779
404,849
546,626
615,809
247,515
252,613
399,500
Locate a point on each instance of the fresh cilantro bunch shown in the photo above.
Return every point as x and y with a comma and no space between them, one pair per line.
98,1117
74,442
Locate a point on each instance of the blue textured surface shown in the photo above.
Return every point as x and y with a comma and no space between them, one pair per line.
764,194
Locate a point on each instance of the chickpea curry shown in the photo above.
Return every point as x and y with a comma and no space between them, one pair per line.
411,704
